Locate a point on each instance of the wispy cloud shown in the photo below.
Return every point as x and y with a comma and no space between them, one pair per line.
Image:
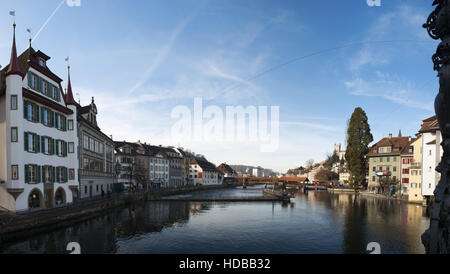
404,22
311,125
162,55
391,88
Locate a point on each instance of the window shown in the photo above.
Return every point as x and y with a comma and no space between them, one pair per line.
14,138
388,159
46,145
405,171
41,62
71,148
381,159
14,172
71,174
31,142
47,174
381,150
85,189
45,87
374,160
395,159
374,169
32,80
405,180
32,174
395,169
13,102
61,148
61,174
70,125
31,112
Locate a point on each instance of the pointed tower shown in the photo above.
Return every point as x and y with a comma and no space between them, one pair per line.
14,126
72,129
69,96
400,133
14,68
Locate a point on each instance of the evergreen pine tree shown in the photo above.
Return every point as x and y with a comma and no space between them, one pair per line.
358,139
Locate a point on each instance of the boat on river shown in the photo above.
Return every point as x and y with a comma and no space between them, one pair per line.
282,194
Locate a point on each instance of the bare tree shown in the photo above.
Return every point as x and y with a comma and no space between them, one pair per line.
309,163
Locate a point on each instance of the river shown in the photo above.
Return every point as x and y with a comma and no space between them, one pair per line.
314,222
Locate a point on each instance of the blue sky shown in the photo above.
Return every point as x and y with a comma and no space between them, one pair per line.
140,59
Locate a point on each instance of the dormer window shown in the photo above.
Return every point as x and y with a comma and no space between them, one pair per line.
42,62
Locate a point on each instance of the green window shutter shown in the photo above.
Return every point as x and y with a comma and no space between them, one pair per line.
38,174
40,84
25,109
57,147
44,171
37,114
58,95
42,115
65,149
64,123
57,174
53,174
25,141
43,144
27,174
51,143
37,143
29,78
51,116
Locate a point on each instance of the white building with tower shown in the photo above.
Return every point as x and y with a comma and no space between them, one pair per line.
38,134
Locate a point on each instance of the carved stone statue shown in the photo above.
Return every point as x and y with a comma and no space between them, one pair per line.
436,239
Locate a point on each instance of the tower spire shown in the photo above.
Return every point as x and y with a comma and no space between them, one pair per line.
14,68
69,95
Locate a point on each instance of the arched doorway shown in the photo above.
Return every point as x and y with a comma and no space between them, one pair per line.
35,199
60,197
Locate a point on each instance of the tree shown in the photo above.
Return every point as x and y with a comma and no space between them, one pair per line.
387,182
358,140
325,174
309,163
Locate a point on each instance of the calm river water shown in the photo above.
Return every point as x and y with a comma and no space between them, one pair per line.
315,222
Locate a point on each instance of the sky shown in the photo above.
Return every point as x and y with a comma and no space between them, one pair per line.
316,60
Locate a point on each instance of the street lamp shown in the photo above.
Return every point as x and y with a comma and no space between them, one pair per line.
435,239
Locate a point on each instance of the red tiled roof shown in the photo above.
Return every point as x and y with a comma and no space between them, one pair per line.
400,143
430,124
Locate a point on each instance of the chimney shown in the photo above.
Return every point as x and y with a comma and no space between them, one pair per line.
390,135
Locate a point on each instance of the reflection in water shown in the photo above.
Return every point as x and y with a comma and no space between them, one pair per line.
316,222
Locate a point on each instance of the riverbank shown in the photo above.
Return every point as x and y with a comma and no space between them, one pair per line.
405,200
17,226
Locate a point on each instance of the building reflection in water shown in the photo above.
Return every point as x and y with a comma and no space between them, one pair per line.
368,219
100,235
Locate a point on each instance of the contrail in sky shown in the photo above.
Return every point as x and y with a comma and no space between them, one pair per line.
48,19
162,55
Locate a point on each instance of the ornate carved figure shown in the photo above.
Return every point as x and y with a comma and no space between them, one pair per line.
436,238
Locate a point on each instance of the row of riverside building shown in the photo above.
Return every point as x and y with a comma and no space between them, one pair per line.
52,151
409,161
